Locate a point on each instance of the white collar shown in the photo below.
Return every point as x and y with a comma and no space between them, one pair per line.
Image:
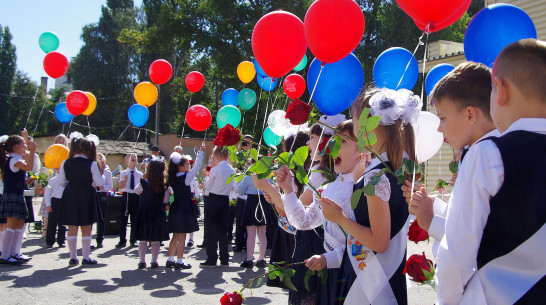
529,124
375,161
132,170
14,154
492,133
180,174
346,177
222,162
80,156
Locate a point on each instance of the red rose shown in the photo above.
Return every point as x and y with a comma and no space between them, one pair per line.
208,168
231,298
416,233
298,112
191,162
323,144
415,266
227,136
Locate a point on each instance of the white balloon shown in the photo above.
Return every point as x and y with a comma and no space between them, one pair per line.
428,140
278,123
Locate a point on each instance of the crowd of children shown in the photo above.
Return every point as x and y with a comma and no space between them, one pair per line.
489,238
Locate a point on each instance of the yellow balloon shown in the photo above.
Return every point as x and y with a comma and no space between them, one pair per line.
55,155
145,94
92,104
246,71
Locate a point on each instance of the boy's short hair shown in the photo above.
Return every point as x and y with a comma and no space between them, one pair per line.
221,152
524,63
469,84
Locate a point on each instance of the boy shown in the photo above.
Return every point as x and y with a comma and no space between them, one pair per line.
461,99
493,249
128,180
217,207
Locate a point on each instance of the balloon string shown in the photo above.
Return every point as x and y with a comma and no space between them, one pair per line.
419,43
138,136
146,151
204,137
31,105
243,123
184,122
88,126
263,125
62,130
69,125
118,139
424,65
316,149
256,211
257,111
39,116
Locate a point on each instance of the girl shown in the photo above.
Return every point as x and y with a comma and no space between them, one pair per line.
79,206
102,194
377,229
151,226
13,170
182,218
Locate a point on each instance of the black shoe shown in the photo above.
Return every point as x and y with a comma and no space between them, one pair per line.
207,265
49,246
141,265
201,245
121,244
97,246
62,245
11,261
190,243
247,264
133,245
184,266
73,262
161,244
21,257
225,264
89,261
154,265
169,264
261,264
237,249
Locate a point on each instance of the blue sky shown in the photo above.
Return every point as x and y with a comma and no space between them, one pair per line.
28,19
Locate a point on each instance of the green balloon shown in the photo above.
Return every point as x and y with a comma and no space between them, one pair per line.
48,42
228,115
271,139
246,99
302,64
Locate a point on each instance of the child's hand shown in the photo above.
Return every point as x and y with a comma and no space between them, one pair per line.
25,136
365,159
32,146
260,184
331,210
406,190
316,262
284,179
421,206
49,209
267,197
202,147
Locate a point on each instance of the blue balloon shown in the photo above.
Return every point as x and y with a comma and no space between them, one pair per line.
138,115
492,29
229,97
395,68
338,86
259,69
435,75
62,114
267,83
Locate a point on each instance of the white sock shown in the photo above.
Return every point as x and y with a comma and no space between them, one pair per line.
180,261
86,246
142,248
1,239
15,241
191,236
156,247
19,242
170,259
6,247
72,242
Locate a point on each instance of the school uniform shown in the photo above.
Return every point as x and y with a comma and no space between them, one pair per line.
182,217
369,277
240,229
257,210
129,204
150,221
53,196
497,256
79,201
103,204
13,202
216,210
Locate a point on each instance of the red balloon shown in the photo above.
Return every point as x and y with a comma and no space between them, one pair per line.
278,43
195,81
436,14
198,118
55,64
333,29
294,86
160,71
77,102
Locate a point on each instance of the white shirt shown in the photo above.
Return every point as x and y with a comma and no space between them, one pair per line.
339,191
190,176
98,179
166,195
53,190
205,182
437,227
236,189
126,175
108,184
218,177
480,177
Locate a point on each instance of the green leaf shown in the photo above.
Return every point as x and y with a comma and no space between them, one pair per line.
409,166
259,282
361,133
375,180
284,158
301,175
264,165
239,178
372,123
263,175
300,156
232,149
355,198
289,284
254,154
230,178
369,189
371,139
334,150
253,168
272,276
363,118
360,145
454,166
323,275
308,276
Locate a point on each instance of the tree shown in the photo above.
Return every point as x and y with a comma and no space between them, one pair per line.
7,71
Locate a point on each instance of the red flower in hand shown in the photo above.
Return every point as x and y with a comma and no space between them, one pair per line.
231,298
227,136
416,233
298,112
191,162
415,266
208,168
323,144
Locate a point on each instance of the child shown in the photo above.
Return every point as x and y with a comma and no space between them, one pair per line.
53,200
461,99
13,168
102,195
150,225
128,179
377,228
182,218
79,202
493,249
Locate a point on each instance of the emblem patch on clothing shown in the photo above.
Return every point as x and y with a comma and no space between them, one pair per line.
359,252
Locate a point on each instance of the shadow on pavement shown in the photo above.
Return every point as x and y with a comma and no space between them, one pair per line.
42,278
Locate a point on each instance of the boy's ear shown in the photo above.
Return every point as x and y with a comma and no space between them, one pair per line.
501,86
471,114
